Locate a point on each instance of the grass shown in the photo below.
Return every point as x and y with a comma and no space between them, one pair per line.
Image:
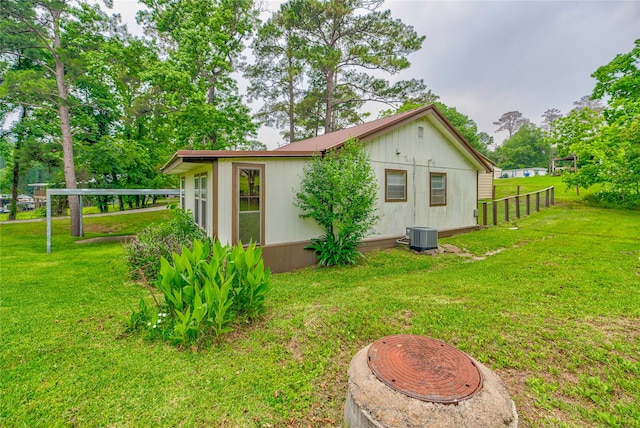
553,307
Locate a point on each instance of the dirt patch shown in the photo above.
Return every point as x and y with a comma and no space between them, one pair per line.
101,228
106,239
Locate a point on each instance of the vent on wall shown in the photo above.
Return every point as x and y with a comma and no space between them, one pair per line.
422,238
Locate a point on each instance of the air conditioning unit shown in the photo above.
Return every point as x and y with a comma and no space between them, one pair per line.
422,238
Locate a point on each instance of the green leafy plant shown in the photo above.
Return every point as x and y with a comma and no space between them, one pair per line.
205,290
332,250
339,191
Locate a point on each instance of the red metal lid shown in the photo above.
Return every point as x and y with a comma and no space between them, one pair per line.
424,368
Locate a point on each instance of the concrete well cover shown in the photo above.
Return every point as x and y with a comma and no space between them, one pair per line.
424,368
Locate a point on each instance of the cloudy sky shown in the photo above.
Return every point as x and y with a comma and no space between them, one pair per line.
489,57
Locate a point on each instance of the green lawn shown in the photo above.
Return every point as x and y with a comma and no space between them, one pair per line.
554,309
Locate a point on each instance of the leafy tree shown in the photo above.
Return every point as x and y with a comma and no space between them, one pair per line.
606,139
339,191
312,54
277,75
578,133
511,122
467,127
203,41
57,38
527,148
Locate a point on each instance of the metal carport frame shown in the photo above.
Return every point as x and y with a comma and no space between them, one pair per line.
97,192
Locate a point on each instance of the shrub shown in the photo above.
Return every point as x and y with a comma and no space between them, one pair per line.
205,290
144,252
614,199
339,191
40,212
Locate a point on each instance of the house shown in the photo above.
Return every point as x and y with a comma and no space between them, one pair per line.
427,175
39,194
523,172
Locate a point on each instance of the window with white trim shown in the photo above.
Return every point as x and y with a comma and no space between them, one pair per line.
438,188
200,200
182,201
395,185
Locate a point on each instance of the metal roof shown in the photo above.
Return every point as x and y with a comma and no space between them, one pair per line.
332,140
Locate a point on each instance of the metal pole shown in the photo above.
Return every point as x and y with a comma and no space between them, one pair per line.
48,223
80,202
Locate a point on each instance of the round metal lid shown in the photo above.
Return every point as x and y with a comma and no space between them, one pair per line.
424,368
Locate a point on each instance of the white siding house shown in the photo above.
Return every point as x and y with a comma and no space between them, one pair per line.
427,176
523,172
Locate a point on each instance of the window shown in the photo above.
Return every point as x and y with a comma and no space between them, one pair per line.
196,193
182,202
249,181
438,188
395,184
420,132
200,202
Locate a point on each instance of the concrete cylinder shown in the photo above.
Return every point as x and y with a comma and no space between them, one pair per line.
372,403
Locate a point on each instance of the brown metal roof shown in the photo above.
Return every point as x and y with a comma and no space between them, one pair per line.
329,141
207,156
335,139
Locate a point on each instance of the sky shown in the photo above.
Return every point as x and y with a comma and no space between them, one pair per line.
486,58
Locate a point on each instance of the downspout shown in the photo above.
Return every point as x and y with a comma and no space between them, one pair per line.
414,191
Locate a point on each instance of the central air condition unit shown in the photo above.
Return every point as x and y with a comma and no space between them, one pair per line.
422,238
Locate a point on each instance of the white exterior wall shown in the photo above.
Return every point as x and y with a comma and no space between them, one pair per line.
420,157
399,149
281,218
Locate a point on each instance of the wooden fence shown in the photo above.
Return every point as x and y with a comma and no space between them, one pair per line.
521,205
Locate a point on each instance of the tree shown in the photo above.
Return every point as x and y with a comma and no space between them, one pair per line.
619,81
316,51
526,149
588,102
606,139
57,38
277,75
511,122
549,116
203,41
467,127
339,191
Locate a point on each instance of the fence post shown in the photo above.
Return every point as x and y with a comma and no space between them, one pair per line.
553,201
546,198
495,212
537,201
484,214
518,205
528,209
506,209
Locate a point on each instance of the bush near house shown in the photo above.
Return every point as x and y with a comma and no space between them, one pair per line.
161,240
339,191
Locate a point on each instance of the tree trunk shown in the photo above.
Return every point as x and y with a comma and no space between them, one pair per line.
292,126
329,106
65,128
13,207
